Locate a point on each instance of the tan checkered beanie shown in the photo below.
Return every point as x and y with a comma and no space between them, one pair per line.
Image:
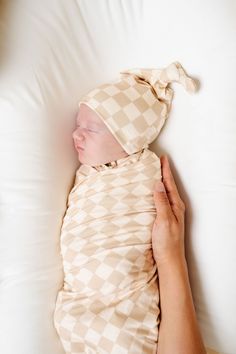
135,106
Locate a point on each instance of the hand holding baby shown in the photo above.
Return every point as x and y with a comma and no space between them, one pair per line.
179,330
168,228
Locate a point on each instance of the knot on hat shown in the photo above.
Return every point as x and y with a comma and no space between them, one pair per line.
159,79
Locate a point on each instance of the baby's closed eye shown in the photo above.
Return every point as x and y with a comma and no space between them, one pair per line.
93,130
88,128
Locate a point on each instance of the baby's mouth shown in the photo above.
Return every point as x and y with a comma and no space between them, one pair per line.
79,147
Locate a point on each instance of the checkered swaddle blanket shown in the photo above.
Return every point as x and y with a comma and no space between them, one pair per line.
109,303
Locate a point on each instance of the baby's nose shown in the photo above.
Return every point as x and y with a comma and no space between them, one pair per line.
77,135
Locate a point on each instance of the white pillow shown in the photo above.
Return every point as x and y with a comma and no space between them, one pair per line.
52,52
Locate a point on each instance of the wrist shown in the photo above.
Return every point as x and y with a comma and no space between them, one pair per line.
174,256
173,262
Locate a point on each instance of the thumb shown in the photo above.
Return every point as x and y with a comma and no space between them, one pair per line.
161,200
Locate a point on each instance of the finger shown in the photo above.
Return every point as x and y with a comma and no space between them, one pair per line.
168,180
161,201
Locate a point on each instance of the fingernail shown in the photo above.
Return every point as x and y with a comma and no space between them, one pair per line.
160,187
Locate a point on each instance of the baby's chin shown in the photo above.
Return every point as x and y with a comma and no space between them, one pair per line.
83,158
94,163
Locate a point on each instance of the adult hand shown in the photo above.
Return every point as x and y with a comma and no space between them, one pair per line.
168,228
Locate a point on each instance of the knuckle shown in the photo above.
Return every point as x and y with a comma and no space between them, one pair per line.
182,206
164,221
162,198
167,223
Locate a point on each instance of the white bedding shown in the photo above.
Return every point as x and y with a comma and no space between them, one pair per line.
51,53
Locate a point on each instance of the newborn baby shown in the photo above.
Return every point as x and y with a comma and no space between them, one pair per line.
109,302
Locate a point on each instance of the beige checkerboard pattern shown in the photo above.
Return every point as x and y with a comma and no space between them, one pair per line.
109,303
135,106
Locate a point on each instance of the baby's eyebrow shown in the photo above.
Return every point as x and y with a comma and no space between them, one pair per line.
87,122
90,123
95,123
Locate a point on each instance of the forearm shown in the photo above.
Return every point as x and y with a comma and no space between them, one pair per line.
178,332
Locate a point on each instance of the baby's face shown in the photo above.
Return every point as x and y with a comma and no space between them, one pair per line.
93,141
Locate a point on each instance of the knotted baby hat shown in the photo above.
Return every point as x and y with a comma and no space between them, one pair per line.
135,106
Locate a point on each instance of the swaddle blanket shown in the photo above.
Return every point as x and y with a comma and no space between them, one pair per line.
110,301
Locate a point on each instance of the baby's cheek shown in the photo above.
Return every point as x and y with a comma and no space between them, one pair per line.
103,141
